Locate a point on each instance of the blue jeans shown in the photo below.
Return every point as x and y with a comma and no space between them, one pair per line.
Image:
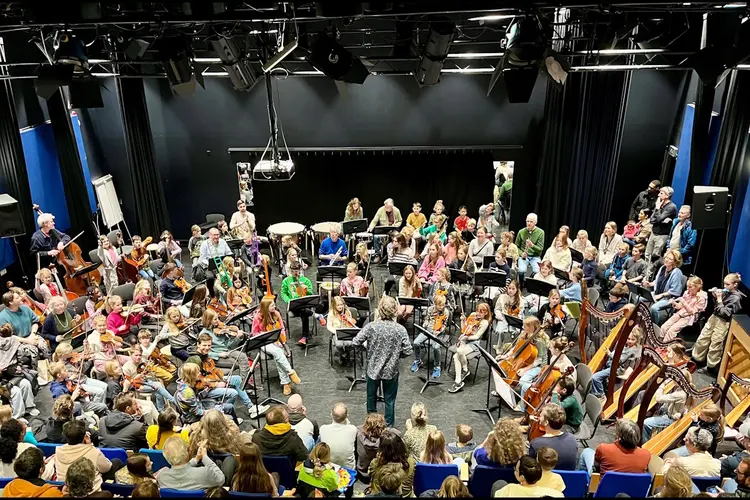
419,342
525,382
656,309
586,461
309,442
682,451
730,486
390,391
160,393
651,424
233,390
523,265
598,380
282,364
146,274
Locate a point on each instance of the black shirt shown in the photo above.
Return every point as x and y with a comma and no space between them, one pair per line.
41,244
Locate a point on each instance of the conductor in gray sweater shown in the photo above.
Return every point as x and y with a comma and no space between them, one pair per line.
186,474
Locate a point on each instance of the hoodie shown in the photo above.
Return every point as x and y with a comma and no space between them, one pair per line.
280,440
20,488
69,453
730,304
8,349
120,430
304,425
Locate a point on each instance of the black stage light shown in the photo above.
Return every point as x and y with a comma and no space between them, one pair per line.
329,57
728,44
70,50
434,52
175,57
235,63
135,48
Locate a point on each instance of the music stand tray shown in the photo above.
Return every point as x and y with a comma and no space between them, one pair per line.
560,274
431,337
413,301
359,303
513,322
331,272
383,230
642,292
235,244
397,268
86,270
191,291
242,314
539,287
490,278
302,302
459,276
576,255
354,226
347,335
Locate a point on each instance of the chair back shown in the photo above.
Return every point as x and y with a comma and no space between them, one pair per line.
94,257
594,411
123,490
612,483
431,476
215,217
282,466
593,295
79,305
48,448
480,484
125,292
5,480
702,483
154,266
157,458
583,380
576,482
112,453
172,493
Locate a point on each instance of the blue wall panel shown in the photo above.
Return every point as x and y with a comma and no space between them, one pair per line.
84,160
682,165
740,252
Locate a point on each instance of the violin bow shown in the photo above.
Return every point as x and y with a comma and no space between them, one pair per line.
231,370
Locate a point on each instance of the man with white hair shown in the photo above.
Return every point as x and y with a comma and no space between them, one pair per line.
341,436
682,236
699,462
47,242
184,473
387,215
530,242
305,427
333,249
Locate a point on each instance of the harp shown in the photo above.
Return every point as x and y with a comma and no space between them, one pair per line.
644,371
597,331
738,385
666,438
736,359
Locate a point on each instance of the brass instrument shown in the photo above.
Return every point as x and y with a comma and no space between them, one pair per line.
223,274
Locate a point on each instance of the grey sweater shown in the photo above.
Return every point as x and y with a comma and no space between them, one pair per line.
190,476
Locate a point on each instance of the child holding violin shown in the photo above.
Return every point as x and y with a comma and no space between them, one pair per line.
121,323
95,306
472,330
172,287
176,329
339,316
553,351
224,340
87,394
268,319
435,322
142,376
140,257
48,285
158,364
552,315
444,288
116,384
102,345
238,295
151,305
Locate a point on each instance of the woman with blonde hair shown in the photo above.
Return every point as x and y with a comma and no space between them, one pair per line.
317,473
267,319
417,430
353,210
677,483
504,446
688,309
667,285
435,451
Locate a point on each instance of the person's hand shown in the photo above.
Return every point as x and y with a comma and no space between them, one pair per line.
77,317
223,355
60,246
201,451
646,283
53,253
719,491
667,220
125,385
694,417
76,394
529,244
289,493
59,339
221,385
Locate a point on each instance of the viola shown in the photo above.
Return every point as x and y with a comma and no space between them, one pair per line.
523,354
210,375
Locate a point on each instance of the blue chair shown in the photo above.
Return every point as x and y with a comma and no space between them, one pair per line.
48,449
431,476
282,466
702,483
576,482
5,480
124,490
112,453
635,485
157,459
480,484
170,493
249,495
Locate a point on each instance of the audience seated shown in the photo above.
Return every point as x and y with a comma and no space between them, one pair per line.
624,455
168,425
80,481
677,484
78,446
739,487
504,446
547,458
417,430
185,473
528,474
305,427
277,438
28,483
435,451
368,442
392,452
552,419
390,479
465,445
11,445
123,427
340,436
452,487
146,489
317,474
251,475
136,471
698,462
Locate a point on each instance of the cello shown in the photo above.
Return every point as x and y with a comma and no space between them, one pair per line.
541,390
71,258
522,355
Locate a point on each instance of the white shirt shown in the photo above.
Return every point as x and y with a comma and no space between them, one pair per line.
245,224
341,438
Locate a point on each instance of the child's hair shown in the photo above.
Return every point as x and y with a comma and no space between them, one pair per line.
337,301
439,300
100,320
419,414
6,413
62,351
554,293
734,278
532,321
351,267
625,246
361,248
695,280
320,456
44,273
641,248
464,433
619,290
444,272
461,207
434,450
144,334
593,251
194,228
578,273
638,333
64,408
712,413
567,384
471,222
439,204
631,221
559,343
416,204
110,366
547,458
56,368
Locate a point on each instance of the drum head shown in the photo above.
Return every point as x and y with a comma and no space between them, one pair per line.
286,228
153,247
323,227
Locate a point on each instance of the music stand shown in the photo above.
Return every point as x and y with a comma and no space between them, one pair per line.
576,255
242,314
296,305
646,294
561,275
417,303
431,337
459,276
188,297
254,386
331,272
492,364
487,260
347,335
354,226
539,287
257,343
359,303
490,278
397,268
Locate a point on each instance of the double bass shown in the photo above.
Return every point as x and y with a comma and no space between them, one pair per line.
71,258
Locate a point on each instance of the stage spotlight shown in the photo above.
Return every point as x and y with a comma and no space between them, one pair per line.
135,48
728,44
434,52
235,63
329,57
70,50
175,57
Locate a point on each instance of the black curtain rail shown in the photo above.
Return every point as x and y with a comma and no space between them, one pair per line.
403,150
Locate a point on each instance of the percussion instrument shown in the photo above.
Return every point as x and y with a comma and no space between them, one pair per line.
322,229
366,237
293,229
153,250
328,287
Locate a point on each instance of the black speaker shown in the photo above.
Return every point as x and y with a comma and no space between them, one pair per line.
328,56
10,217
710,206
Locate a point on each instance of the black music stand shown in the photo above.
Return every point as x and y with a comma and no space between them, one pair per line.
296,305
85,271
417,303
539,287
254,398
492,365
646,294
576,255
347,335
397,268
490,278
431,337
242,314
359,303
561,275
487,260
188,297
331,272
459,276
354,226
513,322
257,343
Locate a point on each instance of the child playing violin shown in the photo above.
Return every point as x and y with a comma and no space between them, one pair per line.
171,290
160,364
87,394
95,306
176,329
151,305
530,332
267,319
142,377
472,330
224,339
116,384
435,321
444,288
103,345
121,323
353,285
552,315
238,296
339,316
73,360
140,256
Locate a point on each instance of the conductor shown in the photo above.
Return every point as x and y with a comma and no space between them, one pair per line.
387,341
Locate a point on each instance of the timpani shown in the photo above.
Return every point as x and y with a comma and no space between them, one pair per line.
153,250
280,229
322,229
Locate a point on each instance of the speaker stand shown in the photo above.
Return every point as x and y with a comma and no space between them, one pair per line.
24,276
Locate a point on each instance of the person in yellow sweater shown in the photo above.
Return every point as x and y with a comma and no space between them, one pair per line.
167,426
416,219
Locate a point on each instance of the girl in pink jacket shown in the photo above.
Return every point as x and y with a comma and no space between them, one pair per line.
687,309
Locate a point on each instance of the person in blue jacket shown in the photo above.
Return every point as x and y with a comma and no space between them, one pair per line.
667,284
333,249
685,242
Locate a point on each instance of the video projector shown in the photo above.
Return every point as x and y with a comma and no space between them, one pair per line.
270,170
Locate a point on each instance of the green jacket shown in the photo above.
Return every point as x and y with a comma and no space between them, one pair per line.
288,291
537,240
328,481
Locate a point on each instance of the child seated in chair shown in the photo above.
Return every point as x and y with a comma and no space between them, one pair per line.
629,357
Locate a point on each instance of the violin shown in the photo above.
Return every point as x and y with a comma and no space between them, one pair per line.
276,326
554,312
218,308
523,354
139,256
72,387
347,319
210,375
182,284
134,309
27,301
222,329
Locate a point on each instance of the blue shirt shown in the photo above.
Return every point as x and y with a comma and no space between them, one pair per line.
671,283
328,247
58,388
565,445
20,320
617,266
573,292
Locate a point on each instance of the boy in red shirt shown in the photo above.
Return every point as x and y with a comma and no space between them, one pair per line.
462,220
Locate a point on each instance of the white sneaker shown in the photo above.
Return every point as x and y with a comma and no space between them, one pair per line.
239,421
33,411
41,381
256,411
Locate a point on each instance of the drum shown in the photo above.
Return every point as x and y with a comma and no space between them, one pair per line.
366,237
327,287
153,250
283,228
322,229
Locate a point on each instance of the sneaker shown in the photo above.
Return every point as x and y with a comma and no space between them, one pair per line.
415,365
295,378
456,387
239,421
436,372
257,411
465,375
42,382
287,389
518,408
302,341
321,320
33,411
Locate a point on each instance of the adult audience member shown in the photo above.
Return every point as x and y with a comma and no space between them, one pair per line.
682,236
145,489
530,242
80,482
417,431
661,223
390,480
78,446
28,483
277,438
392,451
340,436
11,445
552,419
123,427
645,199
699,462
624,455
739,487
677,484
185,473
528,474
609,242
504,446
368,443
136,471
387,341
305,427
667,284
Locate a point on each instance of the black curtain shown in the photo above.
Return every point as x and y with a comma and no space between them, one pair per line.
150,203
71,170
13,169
580,153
